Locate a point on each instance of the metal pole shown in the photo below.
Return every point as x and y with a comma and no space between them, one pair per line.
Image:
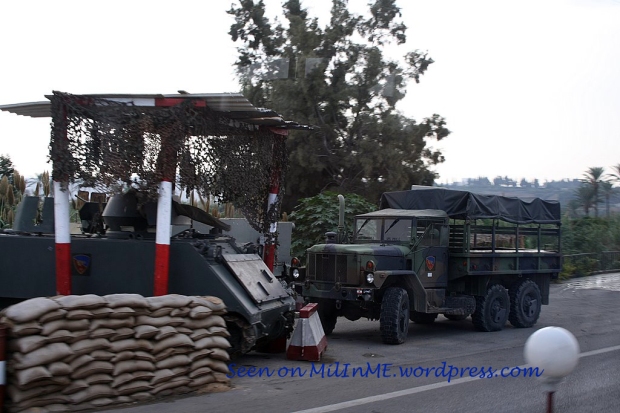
270,247
162,238
62,232
550,402
63,238
269,254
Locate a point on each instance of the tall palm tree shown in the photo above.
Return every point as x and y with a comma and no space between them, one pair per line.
607,188
593,177
585,197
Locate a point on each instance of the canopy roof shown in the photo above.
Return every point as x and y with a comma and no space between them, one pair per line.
233,106
467,205
405,213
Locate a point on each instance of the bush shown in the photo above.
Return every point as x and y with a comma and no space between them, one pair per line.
315,216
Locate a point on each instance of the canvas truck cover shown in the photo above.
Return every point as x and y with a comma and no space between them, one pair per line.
467,205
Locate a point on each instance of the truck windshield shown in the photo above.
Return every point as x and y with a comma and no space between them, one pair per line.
375,229
368,229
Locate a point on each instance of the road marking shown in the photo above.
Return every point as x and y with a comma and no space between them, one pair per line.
372,399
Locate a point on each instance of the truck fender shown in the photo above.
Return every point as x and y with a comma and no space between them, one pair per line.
408,280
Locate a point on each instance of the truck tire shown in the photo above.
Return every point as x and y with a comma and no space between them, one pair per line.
422,318
492,310
455,317
328,316
394,318
525,302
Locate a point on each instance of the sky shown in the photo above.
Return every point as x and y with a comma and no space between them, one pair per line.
530,88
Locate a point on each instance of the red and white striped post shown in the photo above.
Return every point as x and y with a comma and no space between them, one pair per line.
269,255
63,238
162,238
270,247
167,165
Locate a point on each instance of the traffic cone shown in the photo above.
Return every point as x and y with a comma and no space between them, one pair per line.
308,341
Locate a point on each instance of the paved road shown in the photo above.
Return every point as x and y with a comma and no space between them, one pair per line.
587,307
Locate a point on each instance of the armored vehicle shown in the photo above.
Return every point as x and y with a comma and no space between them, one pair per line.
115,253
432,251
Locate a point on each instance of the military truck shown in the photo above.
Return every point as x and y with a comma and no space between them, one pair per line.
431,251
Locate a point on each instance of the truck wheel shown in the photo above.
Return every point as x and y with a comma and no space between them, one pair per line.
328,316
525,301
455,317
492,310
422,318
394,319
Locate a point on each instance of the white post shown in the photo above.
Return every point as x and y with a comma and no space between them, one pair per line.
162,238
63,238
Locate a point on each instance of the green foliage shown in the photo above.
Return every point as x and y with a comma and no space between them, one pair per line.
339,80
12,188
579,267
6,166
315,216
591,235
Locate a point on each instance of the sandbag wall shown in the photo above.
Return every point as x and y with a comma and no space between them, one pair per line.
80,352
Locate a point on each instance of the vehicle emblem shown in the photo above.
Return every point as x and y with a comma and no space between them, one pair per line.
81,263
430,263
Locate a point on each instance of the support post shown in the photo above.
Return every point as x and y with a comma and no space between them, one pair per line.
162,238
269,255
62,238
270,246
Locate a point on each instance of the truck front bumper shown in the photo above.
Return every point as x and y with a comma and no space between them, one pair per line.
338,292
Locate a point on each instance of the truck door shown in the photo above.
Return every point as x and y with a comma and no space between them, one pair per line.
431,254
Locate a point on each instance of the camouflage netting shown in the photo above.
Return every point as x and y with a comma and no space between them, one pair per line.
106,144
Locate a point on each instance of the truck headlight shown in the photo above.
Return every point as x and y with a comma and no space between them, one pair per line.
370,278
295,273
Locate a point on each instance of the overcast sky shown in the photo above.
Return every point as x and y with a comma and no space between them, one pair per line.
530,89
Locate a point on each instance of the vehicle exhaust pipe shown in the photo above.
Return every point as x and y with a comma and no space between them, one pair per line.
341,234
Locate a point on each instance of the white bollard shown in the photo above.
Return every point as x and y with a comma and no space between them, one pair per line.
555,350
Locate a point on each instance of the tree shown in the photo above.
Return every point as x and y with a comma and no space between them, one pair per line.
6,166
607,189
593,177
315,216
585,197
338,79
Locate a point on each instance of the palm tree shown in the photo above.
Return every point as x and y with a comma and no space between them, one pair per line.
607,188
585,197
593,177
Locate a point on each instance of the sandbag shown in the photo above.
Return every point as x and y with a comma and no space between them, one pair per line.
28,328
178,340
126,300
79,314
44,355
70,325
145,331
174,361
90,345
80,302
94,367
129,366
212,342
31,309
170,300
57,314
27,344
